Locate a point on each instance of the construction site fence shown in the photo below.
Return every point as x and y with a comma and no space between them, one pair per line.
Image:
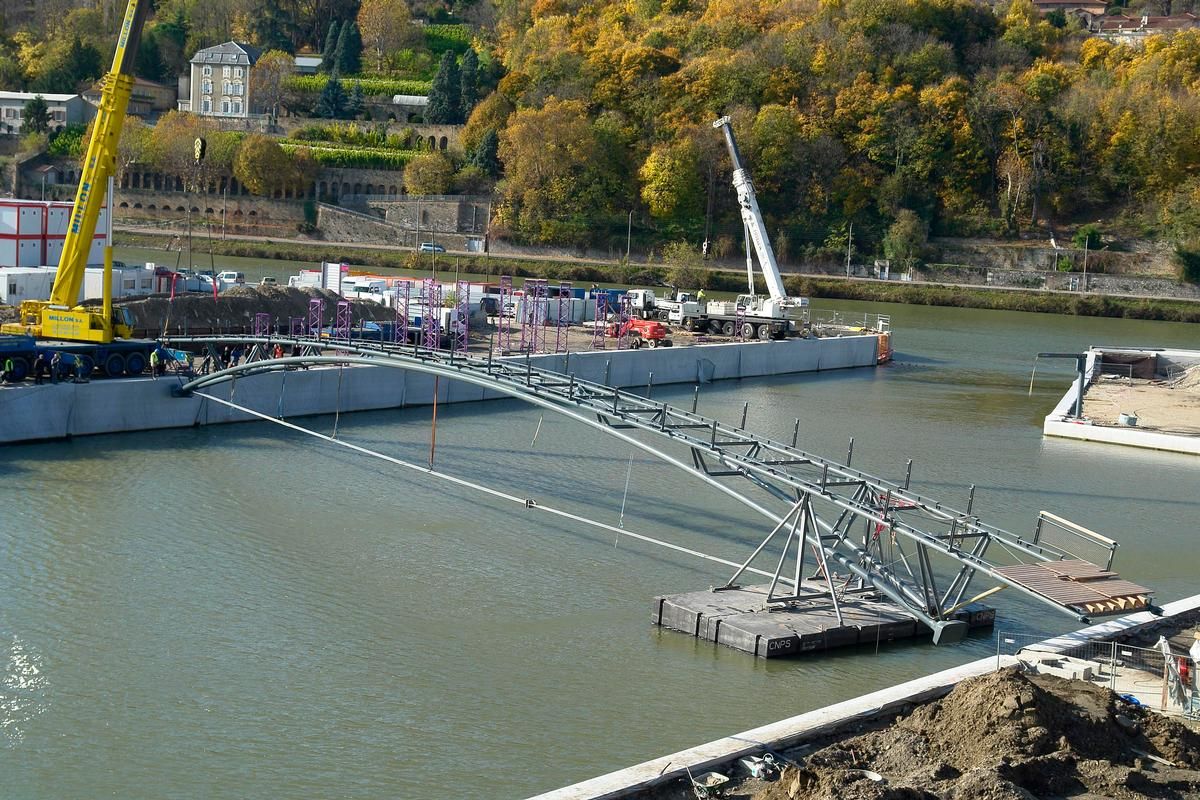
1142,673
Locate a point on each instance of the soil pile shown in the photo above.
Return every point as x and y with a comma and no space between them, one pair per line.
1007,736
234,309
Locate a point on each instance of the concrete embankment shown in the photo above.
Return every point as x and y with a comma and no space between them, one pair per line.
30,413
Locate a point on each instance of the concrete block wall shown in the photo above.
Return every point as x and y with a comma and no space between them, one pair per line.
55,411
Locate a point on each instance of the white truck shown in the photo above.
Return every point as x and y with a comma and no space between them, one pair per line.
645,304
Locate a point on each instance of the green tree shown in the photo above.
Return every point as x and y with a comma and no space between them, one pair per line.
332,102
271,26
149,63
670,177
348,56
905,239
355,102
329,54
36,117
445,106
486,156
428,173
685,267
469,82
1087,236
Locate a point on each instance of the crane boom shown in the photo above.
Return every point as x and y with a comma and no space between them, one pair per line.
752,217
58,317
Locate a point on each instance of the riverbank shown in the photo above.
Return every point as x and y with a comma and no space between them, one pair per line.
382,257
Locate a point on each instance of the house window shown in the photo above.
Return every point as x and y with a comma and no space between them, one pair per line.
237,88
237,106
224,72
224,106
129,284
207,71
60,115
206,87
226,88
206,106
237,72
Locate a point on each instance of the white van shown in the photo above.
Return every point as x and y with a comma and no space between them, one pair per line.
231,277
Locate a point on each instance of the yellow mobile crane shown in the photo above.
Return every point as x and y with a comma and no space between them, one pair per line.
98,339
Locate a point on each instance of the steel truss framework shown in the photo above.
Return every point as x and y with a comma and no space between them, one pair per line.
885,538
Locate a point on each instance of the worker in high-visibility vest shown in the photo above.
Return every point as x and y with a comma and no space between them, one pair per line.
154,363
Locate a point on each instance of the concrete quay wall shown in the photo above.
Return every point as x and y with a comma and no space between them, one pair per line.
31,413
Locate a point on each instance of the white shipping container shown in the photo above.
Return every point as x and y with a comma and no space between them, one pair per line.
19,284
58,217
126,282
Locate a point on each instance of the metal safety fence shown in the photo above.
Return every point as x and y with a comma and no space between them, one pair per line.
1147,676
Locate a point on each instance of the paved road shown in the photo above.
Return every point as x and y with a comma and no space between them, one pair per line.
599,262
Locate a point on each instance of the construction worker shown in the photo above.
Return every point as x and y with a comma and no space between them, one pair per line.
154,363
8,370
55,366
700,296
80,375
39,368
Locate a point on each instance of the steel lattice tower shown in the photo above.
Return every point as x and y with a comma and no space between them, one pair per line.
462,309
504,321
296,326
341,321
622,321
262,324
564,316
431,314
400,306
600,321
316,311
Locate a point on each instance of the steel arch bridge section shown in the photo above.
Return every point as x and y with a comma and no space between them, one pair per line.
919,552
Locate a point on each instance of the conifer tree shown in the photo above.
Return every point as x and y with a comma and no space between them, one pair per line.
444,106
355,102
329,54
486,155
332,103
469,83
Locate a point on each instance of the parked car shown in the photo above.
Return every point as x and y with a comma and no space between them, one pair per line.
229,276
431,247
269,280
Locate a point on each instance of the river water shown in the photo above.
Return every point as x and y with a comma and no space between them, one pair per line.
238,612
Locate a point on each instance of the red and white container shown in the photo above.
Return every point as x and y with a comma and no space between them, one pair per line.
22,233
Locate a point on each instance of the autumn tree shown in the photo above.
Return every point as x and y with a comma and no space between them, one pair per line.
269,79
386,27
905,239
671,187
262,166
428,173
562,173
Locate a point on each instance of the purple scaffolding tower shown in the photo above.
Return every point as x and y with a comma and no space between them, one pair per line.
341,321
504,321
400,305
316,311
262,324
462,314
295,326
623,316
538,316
564,317
525,313
431,314
600,322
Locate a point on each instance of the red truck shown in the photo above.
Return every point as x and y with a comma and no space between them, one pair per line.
650,332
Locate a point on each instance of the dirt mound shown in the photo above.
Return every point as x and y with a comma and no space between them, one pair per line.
1189,380
1006,736
234,309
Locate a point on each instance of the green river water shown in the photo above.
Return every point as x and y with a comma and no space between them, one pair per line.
236,611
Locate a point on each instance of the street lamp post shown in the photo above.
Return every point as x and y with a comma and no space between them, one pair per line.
628,235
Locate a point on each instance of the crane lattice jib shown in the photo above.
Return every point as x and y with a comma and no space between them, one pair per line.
100,161
752,216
